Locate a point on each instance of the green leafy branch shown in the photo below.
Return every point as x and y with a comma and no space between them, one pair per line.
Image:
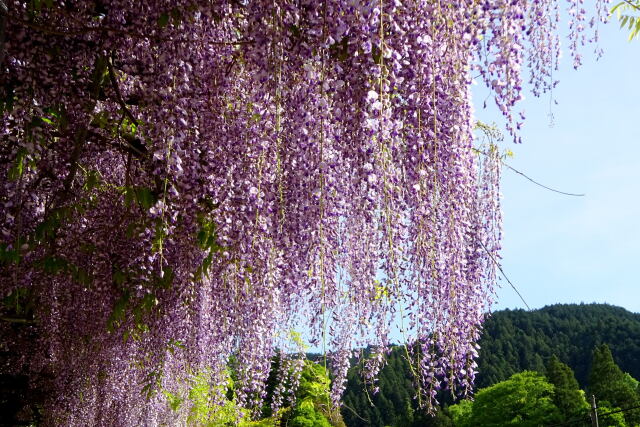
628,14
207,241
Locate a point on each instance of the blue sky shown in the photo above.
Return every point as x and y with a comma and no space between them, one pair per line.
560,249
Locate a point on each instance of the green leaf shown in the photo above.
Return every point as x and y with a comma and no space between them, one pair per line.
49,226
146,305
163,20
54,265
118,314
80,275
158,237
623,21
143,196
19,302
152,383
8,256
175,14
614,8
99,72
174,400
91,181
376,54
101,120
128,127
6,104
119,277
17,169
166,280
202,238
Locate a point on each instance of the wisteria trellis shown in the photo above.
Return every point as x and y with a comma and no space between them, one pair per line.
187,180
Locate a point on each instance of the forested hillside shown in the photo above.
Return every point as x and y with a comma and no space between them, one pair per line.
513,341
517,340
393,405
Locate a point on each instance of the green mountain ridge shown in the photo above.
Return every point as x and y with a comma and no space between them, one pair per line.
512,341
518,340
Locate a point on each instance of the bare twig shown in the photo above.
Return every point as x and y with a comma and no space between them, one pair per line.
542,185
102,29
508,166
633,5
74,31
354,412
17,320
3,25
80,136
504,274
132,146
116,88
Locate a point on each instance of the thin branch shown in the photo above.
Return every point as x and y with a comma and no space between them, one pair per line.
604,414
542,185
531,179
504,274
354,412
116,87
87,30
80,136
633,5
3,26
17,320
73,31
134,146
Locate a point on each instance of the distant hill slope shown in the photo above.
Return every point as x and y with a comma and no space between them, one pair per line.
512,341
515,340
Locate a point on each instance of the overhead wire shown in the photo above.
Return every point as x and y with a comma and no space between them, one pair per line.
588,417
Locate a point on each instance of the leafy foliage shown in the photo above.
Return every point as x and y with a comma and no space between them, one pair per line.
516,340
608,383
461,413
314,407
209,404
525,399
628,13
520,401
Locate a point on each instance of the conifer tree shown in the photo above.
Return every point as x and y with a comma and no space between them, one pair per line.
567,394
607,382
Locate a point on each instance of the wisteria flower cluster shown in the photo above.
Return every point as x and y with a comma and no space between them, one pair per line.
186,181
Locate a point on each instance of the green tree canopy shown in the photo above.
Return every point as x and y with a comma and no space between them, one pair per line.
461,413
525,399
608,383
608,419
313,402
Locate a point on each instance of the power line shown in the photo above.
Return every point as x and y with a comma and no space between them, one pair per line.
619,410
586,417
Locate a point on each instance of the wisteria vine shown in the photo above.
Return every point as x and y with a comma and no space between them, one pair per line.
186,181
